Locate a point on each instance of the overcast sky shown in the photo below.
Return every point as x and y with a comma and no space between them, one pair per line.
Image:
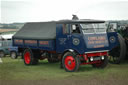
47,10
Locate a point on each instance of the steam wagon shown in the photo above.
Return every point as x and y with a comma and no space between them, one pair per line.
72,42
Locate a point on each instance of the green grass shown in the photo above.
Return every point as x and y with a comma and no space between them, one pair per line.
14,69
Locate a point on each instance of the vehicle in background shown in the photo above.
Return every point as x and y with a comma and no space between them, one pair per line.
120,52
13,52
4,45
6,48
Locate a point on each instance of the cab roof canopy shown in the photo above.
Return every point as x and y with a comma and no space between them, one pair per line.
45,30
81,21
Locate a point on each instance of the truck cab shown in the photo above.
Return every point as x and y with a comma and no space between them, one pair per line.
83,37
87,38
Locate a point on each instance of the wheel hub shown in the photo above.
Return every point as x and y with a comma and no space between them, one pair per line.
69,62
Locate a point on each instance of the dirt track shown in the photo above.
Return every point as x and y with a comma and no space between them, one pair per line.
70,81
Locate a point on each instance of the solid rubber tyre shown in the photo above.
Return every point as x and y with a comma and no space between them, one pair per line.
70,62
29,58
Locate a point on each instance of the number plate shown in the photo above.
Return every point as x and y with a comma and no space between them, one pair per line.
96,58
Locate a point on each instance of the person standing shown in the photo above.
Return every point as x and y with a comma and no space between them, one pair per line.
1,60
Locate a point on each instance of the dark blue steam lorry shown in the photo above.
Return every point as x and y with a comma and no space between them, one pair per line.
73,42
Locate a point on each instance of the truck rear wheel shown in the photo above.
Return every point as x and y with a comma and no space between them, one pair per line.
117,54
102,64
70,62
29,58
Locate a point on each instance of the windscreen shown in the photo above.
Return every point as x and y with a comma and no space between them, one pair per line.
5,43
93,28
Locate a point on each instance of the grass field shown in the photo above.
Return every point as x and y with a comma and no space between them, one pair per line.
13,71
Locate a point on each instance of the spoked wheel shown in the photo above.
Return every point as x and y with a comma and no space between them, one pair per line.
101,64
29,58
117,54
70,62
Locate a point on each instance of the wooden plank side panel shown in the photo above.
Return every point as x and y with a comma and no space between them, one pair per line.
48,45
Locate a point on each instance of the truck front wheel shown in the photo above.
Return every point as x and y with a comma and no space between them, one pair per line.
102,64
29,58
70,62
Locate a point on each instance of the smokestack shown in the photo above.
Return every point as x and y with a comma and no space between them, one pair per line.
75,17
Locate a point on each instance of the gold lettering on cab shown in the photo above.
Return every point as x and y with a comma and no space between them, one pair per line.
97,41
98,46
30,41
44,42
97,38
